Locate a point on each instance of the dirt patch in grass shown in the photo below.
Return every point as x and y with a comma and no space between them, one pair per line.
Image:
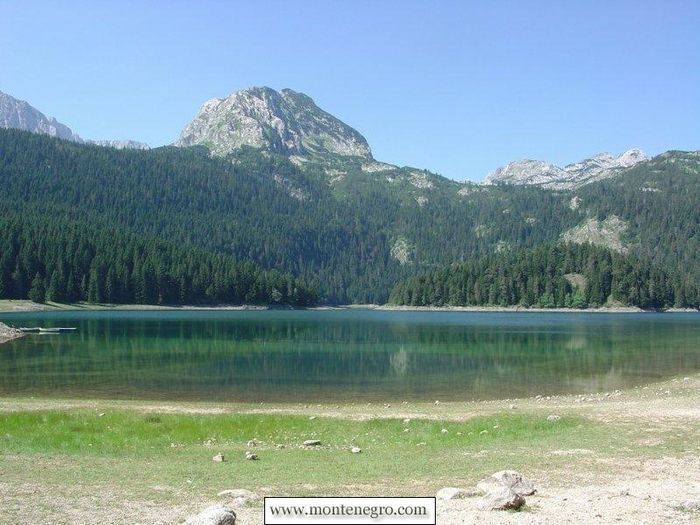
613,457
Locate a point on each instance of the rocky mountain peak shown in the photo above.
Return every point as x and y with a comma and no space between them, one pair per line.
546,175
18,114
524,171
631,157
285,122
120,144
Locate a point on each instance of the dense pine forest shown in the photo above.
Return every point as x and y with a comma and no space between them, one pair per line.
338,237
63,262
553,276
349,237
660,200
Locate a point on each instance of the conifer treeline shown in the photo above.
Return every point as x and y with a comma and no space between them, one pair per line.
550,276
65,261
337,236
340,234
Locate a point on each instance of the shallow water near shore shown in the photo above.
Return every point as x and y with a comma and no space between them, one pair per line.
343,355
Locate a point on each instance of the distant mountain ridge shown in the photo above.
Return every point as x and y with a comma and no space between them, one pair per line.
284,122
280,183
19,114
546,175
290,123
120,144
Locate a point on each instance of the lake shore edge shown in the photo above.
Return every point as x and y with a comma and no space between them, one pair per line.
362,409
23,306
513,309
8,333
615,454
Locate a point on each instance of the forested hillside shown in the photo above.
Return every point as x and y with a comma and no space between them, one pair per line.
351,233
549,276
340,239
45,259
660,201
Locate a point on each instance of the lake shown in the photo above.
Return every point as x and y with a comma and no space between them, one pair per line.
343,355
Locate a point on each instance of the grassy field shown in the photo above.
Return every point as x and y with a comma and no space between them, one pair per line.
25,305
73,460
178,447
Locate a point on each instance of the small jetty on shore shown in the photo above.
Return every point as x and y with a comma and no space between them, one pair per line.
41,330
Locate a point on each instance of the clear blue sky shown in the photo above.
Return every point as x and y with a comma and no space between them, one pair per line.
456,87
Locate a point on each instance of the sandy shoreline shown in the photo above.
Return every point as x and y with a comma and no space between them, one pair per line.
674,397
644,475
495,309
18,306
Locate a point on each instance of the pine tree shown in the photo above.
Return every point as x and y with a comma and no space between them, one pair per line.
94,293
37,292
56,291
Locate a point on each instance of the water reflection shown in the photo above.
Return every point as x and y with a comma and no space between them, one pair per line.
305,356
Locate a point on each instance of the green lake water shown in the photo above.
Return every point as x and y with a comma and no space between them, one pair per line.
362,355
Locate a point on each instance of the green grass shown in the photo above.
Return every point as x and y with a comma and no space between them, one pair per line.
137,448
11,305
134,433
25,305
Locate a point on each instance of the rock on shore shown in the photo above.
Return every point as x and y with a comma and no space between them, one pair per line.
509,479
8,333
214,515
